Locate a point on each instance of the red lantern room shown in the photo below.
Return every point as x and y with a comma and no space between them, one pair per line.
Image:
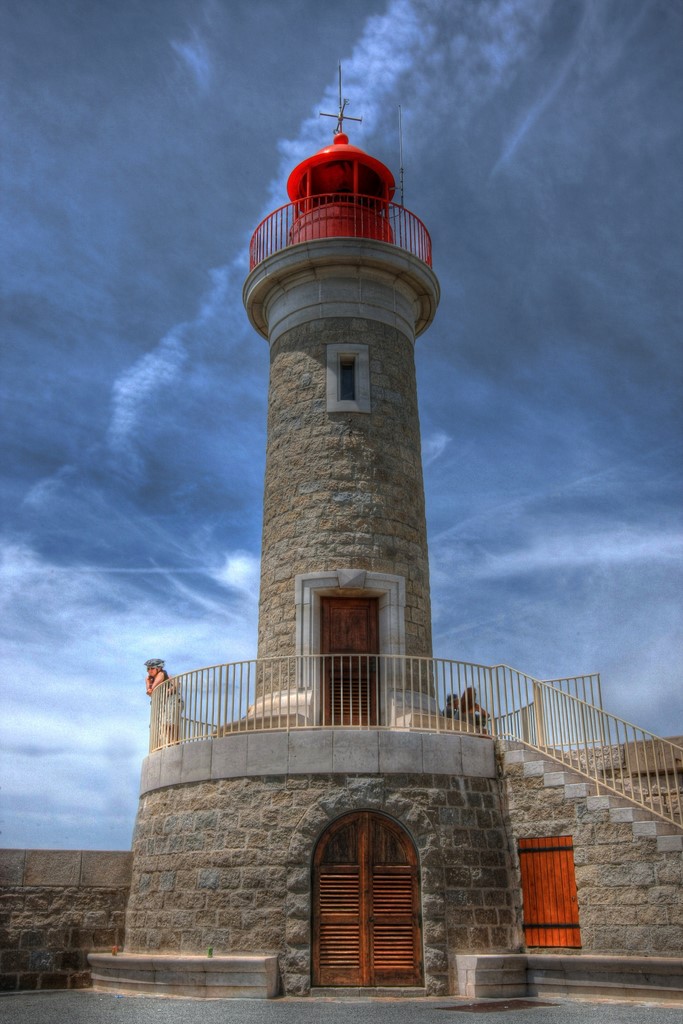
341,191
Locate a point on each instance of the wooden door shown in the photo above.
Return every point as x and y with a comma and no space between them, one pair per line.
349,637
551,910
366,920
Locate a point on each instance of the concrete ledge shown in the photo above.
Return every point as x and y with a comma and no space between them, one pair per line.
613,977
105,869
241,976
320,751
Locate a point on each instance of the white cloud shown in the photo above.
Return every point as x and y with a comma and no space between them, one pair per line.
78,717
240,571
434,446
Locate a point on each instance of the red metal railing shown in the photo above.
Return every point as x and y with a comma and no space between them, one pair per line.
340,215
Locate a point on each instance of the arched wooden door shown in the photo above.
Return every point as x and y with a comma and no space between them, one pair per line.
366,904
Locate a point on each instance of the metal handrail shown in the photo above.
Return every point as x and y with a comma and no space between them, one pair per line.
561,718
340,215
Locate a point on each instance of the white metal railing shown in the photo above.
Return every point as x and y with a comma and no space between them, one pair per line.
562,718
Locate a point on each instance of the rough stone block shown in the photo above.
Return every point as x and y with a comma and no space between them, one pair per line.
478,756
106,869
52,867
171,765
149,773
310,750
12,867
267,753
442,754
196,764
229,757
355,750
400,752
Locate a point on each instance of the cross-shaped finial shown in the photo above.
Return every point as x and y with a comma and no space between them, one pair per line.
341,116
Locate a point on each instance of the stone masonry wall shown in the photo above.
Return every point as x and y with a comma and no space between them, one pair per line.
56,906
629,893
343,490
227,864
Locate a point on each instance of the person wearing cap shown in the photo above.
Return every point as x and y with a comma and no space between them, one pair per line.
171,703
156,673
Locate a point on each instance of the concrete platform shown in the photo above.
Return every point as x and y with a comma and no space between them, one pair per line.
198,977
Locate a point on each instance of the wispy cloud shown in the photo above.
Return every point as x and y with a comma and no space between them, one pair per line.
194,56
143,393
581,550
143,388
535,111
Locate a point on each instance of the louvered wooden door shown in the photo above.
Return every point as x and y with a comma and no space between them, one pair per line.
551,910
349,638
366,922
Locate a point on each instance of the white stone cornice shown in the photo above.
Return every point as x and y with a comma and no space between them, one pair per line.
341,277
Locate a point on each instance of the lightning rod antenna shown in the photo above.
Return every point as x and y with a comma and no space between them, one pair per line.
400,152
341,116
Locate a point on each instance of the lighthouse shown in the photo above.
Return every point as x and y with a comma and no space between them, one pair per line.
319,817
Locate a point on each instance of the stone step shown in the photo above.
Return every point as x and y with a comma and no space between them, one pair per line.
556,776
579,790
670,843
383,992
554,779
628,813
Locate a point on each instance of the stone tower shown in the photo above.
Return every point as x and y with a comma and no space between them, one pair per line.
344,512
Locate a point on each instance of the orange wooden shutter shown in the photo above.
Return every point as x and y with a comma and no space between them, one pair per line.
551,912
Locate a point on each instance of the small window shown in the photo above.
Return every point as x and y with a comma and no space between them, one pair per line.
348,378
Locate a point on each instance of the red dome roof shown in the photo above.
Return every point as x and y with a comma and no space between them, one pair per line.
340,167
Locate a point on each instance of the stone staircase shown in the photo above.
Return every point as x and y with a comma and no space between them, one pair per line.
576,787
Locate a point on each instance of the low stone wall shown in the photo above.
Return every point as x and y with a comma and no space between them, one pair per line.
56,906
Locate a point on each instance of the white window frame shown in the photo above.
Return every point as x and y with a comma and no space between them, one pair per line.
360,356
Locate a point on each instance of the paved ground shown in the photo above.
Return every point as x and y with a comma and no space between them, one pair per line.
96,1008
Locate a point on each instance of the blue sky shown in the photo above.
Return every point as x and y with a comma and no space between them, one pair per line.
142,144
